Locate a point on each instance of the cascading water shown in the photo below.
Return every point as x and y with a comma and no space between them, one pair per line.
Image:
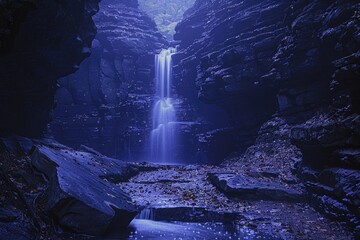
164,115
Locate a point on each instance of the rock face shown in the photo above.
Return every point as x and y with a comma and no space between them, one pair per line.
329,140
77,190
230,58
106,104
40,42
268,56
299,60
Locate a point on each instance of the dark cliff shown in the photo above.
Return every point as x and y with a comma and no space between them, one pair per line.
298,61
41,41
255,59
106,104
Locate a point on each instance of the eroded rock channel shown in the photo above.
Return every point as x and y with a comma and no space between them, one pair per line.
258,131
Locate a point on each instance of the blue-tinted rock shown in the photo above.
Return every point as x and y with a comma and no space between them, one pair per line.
245,187
17,145
78,196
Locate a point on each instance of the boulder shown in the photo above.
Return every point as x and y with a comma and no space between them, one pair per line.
246,187
78,194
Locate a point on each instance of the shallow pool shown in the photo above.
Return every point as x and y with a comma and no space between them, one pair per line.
148,229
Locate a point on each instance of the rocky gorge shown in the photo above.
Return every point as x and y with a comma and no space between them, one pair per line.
267,111
115,81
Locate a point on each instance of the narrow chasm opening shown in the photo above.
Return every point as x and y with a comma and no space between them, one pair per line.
166,14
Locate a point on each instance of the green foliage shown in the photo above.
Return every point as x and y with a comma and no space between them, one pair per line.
166,13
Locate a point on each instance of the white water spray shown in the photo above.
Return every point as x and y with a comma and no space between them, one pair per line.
164,115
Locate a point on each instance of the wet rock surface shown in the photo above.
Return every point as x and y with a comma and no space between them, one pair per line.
74,197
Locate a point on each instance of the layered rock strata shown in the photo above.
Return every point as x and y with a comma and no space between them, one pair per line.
298,60
107,103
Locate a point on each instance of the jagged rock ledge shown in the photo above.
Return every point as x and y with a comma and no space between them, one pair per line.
77,188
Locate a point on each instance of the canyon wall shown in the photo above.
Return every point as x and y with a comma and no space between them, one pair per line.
224,58
255,59
296,61
107,103
40,41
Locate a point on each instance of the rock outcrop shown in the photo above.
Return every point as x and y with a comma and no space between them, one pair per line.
106,104
245,187
46,184
41,41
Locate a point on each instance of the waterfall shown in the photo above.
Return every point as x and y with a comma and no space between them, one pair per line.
164,115
147,214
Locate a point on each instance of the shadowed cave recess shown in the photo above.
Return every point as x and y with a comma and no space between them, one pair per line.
179,119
